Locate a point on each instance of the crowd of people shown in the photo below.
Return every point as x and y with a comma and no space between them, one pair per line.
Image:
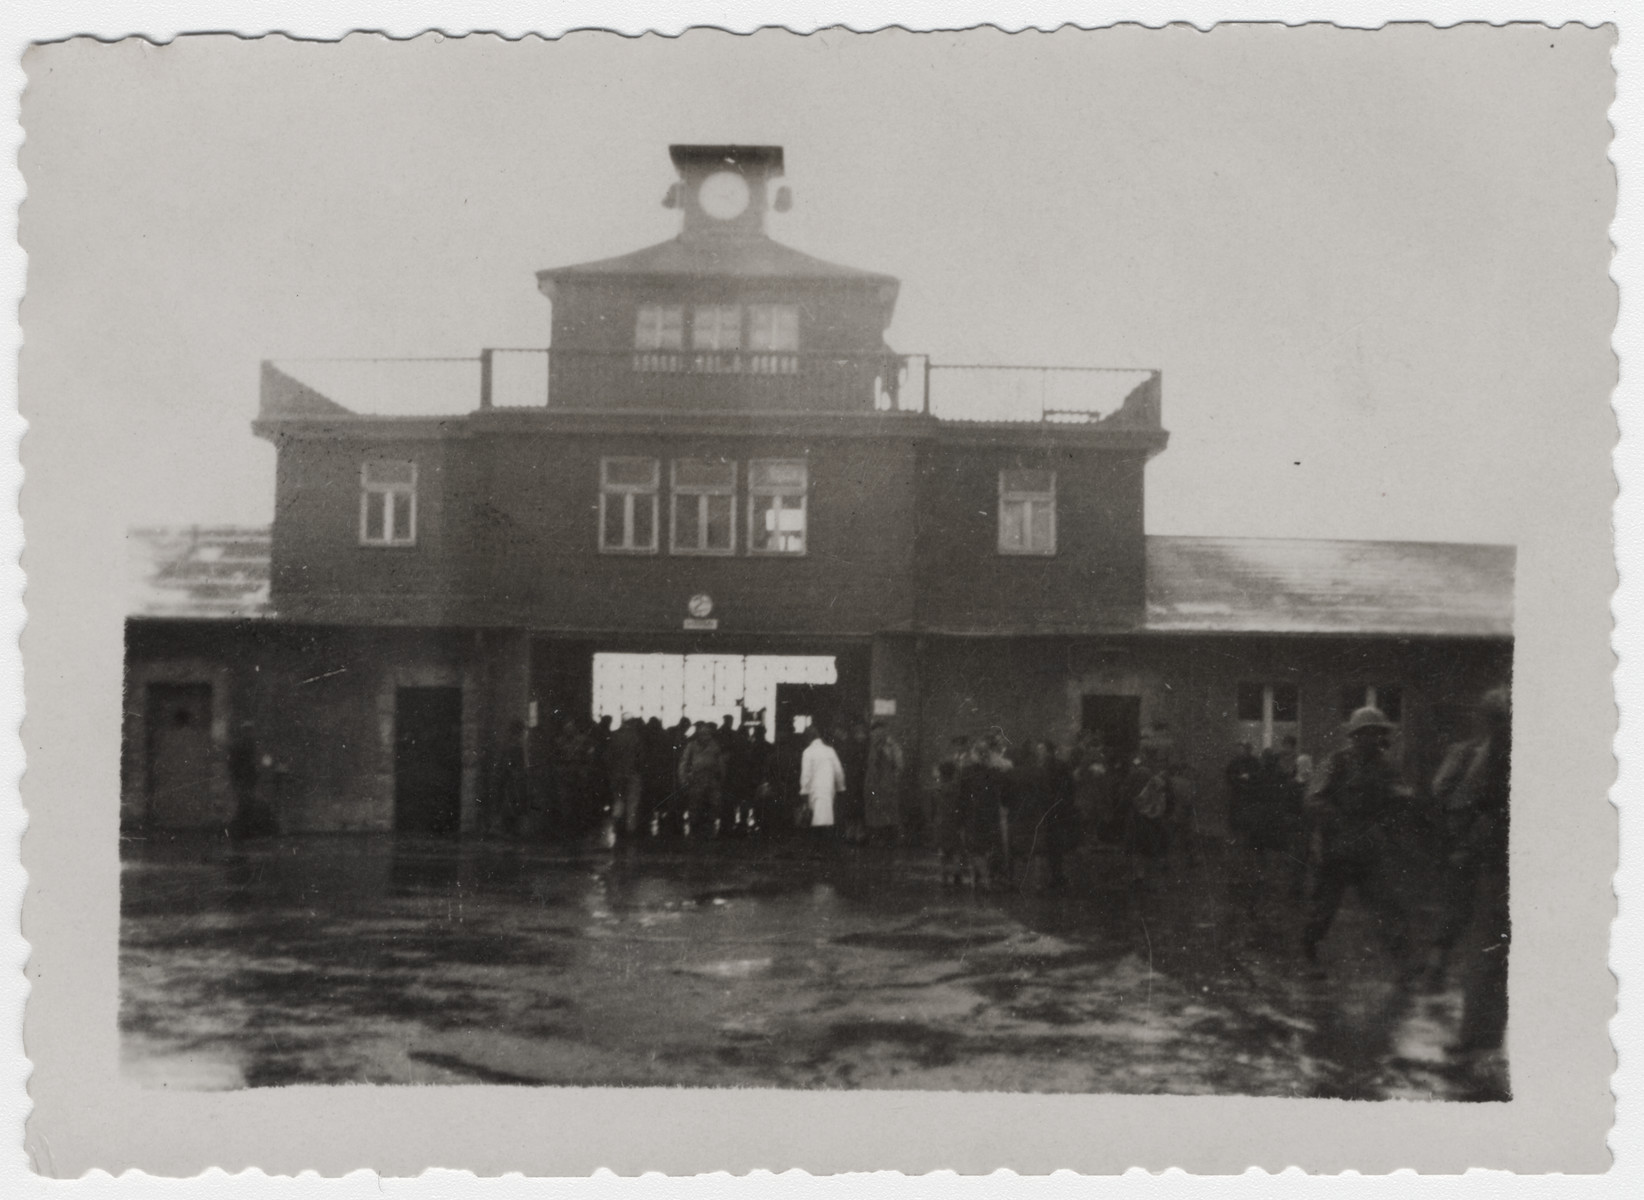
639,779
1000,815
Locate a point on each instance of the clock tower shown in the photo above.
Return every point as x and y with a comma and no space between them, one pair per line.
725,190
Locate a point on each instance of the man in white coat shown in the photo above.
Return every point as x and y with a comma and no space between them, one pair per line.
821,778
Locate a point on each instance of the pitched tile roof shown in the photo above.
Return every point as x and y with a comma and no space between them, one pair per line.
1307,585
1195,584
743,257
199,571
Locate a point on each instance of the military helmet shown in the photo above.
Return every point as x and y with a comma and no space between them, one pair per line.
1368,717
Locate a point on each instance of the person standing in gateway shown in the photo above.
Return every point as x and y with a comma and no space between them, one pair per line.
821,778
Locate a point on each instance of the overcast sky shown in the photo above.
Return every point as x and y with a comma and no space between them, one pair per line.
1370,265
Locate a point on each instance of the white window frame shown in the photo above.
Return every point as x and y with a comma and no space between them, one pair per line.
699,494
630,496
1270,723
381,493
659,338
785,492
1011,497
769,351
777,320
716,327
651,329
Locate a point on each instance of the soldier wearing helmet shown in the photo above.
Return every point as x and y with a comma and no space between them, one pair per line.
1355,801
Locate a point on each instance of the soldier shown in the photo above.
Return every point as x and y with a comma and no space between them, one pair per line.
702,778
1356,800
1471,788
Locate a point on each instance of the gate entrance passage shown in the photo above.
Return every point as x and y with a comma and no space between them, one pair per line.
708,687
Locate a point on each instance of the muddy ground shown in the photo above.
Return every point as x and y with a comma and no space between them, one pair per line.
372,959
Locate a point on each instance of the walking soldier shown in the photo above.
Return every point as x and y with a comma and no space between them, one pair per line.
1355,803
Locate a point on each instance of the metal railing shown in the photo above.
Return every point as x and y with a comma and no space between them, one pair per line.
982,392
736,380
698,379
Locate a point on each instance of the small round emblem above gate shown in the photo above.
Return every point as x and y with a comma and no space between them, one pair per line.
700,605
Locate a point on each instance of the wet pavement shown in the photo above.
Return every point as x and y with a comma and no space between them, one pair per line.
371,959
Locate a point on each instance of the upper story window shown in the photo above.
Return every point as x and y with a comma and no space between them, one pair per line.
773,339
659,336
704,506
776,505
627,505
660,327
388,503
773,327
716,327
1027,512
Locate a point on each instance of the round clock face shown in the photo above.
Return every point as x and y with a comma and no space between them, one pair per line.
723,195
701,605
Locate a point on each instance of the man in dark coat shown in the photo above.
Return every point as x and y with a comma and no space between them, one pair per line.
702,776
624,767
1357,801
1471,788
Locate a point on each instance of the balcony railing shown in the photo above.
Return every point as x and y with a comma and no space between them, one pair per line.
783,379
721,380
699,379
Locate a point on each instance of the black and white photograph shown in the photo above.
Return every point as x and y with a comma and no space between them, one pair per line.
936,563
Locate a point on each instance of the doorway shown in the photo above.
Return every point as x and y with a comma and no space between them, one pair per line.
428,760
1117,719
180,756
799,706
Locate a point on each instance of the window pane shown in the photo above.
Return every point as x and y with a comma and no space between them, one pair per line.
1391,702
1352,697
704,473
779,524
764,510
716,327
1012,524
1040,483
402,516
1041,527
719,522
773,327
611,534
687,522
630,472
644,521
375,507
786,332
771,474
660,327
1285,705
1250,702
